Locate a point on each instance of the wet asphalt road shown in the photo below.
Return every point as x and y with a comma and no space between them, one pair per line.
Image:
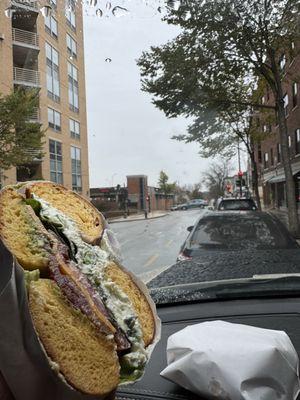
150,246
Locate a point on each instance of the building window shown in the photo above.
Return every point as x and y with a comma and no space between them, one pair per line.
282,62
295,93
269,128
71,46
73,88
271,157
297,141
278,152
70,14
259,156
74,129
54,120
56,172
266,160
51,26
265,128
52,73
286,104
76,169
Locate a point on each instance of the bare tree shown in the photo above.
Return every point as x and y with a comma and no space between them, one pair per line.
214,177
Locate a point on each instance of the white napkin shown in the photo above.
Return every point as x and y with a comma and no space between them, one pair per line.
220,360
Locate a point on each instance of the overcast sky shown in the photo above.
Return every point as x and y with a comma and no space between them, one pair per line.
127,134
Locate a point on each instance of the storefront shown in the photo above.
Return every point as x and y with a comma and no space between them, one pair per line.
274,187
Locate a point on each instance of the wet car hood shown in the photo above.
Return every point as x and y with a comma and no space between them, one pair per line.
220,265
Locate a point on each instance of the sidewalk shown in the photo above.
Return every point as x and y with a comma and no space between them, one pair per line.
139,217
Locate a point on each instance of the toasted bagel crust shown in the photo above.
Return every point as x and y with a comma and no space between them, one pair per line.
22,232
87,359
137,298
88,219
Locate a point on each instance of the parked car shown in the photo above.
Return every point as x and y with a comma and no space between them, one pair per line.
236,230
236,203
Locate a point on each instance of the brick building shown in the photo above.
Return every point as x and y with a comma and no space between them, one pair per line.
42,47
136,196
268,152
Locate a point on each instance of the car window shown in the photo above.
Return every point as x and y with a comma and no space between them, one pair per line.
236,233
237,205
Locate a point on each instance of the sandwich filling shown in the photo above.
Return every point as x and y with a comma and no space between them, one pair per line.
92,261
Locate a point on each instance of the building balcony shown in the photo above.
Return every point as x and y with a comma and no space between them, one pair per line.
25,38
30,5
36,156
35,116
26,77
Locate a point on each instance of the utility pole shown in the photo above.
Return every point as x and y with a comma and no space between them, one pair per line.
240,174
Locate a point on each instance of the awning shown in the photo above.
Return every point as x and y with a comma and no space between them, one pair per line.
281,177
277,179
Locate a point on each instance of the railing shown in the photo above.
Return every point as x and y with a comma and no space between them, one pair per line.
25,37
35,116
30,4
26,76
35,154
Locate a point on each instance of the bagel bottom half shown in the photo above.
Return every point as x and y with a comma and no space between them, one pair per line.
86,358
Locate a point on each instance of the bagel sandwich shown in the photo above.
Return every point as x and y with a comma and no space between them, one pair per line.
54,230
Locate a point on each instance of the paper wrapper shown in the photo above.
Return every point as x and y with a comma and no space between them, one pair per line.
224,361
23,363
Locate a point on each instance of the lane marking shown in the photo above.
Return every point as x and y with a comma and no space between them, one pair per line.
169,242
151,260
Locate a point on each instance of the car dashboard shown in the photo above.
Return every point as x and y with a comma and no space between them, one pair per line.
279,313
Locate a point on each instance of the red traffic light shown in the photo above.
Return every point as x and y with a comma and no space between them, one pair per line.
147,198
240,173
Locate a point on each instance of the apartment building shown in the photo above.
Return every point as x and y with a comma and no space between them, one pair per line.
41,46
268,152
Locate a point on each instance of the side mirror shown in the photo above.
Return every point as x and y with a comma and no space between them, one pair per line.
190,228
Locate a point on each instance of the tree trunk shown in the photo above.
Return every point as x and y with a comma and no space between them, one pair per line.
290,184
255,181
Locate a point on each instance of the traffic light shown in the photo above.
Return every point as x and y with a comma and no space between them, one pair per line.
148,198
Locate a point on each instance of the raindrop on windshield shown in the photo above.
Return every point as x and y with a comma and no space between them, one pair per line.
119,11
108,60
9,12
92,3
108,6
99,13
46,11
187,16
175,4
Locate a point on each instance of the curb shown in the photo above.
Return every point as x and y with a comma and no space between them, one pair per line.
136,219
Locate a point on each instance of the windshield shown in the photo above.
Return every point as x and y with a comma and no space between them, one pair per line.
155,111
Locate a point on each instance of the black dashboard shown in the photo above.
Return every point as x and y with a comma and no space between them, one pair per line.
271,313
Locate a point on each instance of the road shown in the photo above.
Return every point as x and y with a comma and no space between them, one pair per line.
149,246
